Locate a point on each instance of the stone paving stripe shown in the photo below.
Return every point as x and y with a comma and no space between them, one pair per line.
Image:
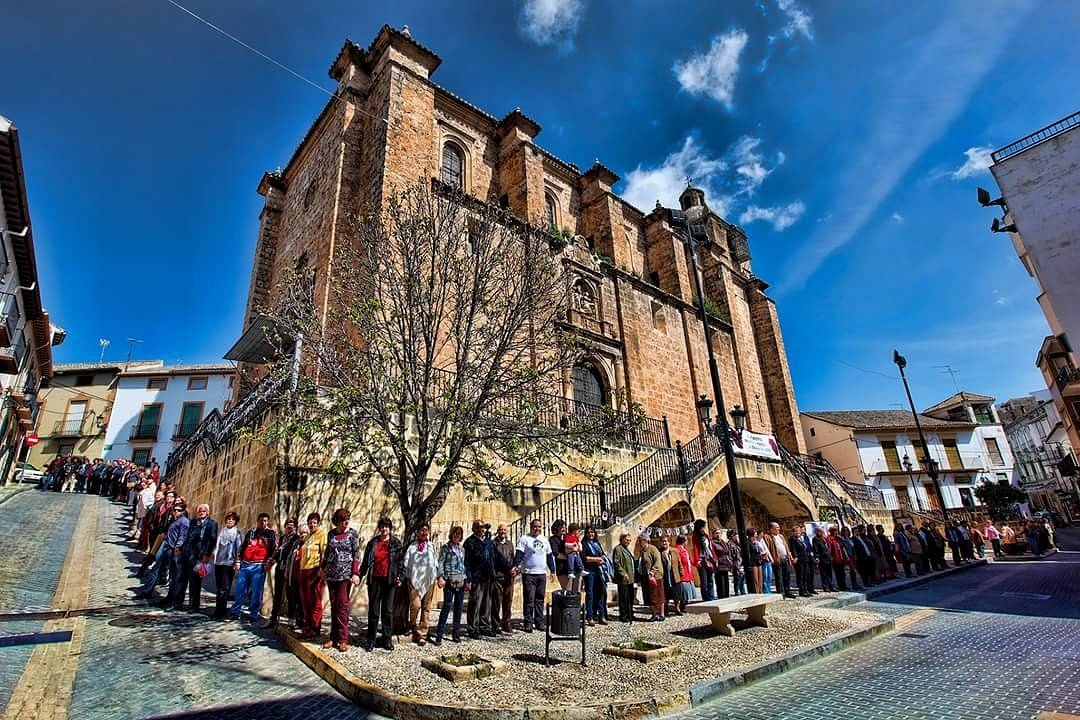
45,687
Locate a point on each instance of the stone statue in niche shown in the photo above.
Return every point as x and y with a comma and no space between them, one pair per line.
583,299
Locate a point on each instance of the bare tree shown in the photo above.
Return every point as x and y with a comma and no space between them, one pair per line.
440,356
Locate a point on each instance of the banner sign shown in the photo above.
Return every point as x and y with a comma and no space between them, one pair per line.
755,445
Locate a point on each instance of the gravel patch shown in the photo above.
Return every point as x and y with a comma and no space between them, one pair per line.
704,655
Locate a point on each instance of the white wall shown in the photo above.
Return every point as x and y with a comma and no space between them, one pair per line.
132,394
1042,188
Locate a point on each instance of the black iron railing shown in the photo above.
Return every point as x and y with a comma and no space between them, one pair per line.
68,428
185,430
144,432
1066,376
1036,137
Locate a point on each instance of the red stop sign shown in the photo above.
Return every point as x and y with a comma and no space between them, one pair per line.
32,439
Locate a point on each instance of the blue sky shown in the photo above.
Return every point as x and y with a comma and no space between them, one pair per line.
847,139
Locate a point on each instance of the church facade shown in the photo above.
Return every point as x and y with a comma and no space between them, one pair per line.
633,293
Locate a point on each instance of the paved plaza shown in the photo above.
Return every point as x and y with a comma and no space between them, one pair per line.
1001,642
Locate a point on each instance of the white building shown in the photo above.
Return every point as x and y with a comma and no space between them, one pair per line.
1045,462
1039,178
157,408
881,448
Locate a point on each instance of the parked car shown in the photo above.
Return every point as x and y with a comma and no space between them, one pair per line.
25,472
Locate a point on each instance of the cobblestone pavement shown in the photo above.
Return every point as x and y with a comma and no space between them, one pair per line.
1004,643
135,661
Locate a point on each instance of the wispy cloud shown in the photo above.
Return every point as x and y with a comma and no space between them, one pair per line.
1000,299
935,87
898,218
713,73
799,22
781,217
552,22
978,161
749,163
646,185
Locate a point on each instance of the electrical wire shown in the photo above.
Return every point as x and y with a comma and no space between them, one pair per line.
269,59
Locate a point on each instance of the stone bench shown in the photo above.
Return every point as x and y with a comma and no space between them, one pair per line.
720,610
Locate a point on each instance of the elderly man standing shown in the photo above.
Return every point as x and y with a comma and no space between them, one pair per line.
781,560
652,569
534,560
421,567
199,548
503,588
479,575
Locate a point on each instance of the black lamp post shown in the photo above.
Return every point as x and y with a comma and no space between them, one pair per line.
722,428
931,465
911,478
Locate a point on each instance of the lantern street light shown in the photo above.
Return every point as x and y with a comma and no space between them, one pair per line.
931,465
704,410
693,233
914,488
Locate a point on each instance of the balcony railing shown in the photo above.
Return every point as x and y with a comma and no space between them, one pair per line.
10,323
144,432
184,430
1066,376
1037,137
69,427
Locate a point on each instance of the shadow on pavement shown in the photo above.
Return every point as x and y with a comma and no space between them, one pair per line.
318,705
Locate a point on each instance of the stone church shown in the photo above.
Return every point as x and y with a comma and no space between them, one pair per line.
633,294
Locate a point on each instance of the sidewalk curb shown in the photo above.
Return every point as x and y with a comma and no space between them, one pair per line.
1025,556
12,493
909,583
710,689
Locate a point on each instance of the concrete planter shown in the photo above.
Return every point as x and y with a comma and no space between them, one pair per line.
645,652
462,668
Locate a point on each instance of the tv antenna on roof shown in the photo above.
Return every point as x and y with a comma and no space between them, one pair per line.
948,370
104,343
132,342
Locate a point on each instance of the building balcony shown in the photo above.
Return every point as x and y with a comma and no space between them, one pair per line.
69,428
146,433
1068,380
184,430
9,325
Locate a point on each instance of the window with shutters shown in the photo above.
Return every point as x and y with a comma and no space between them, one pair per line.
994,449
892,456
952,454
453,166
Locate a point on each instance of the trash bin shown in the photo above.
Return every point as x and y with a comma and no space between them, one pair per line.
565,613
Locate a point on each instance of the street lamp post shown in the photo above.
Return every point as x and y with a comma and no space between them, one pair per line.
931,465
911,479
722,427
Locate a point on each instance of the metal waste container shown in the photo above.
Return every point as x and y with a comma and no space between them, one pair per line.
565,613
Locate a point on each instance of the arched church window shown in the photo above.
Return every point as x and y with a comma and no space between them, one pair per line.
552,216
453,166
588,386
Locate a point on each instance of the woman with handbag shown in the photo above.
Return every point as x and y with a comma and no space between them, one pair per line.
341,567
452,581
598,574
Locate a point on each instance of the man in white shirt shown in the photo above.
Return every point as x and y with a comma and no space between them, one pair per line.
781,560
533,560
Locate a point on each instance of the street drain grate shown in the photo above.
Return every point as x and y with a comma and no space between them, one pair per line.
917,636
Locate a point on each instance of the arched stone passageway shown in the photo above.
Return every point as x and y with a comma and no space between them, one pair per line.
768,492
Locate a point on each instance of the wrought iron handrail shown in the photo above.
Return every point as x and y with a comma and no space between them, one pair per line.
1036,137
824,495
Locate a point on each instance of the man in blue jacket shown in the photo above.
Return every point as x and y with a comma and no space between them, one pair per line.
479,576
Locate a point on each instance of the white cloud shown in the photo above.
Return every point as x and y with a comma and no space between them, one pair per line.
665,182
799,22
1000,299
551,22
750,165
897,218
978,161
713,73
781,217
939,80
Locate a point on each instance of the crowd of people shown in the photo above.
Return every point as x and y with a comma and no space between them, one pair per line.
475,576
109,478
